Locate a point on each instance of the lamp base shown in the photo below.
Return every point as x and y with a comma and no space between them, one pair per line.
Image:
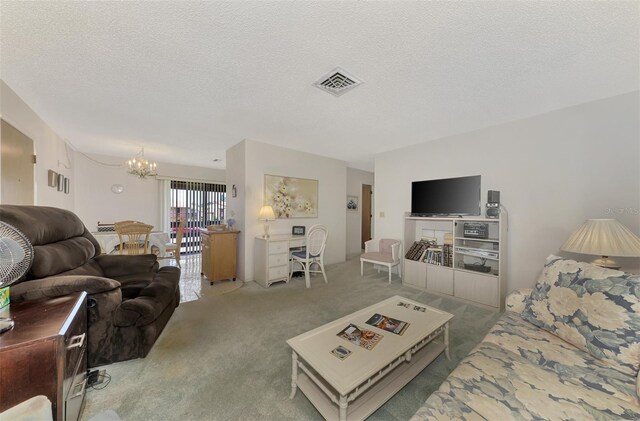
607,263
266,230
6,323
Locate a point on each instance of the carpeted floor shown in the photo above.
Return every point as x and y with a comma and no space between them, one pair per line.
225,357
225,286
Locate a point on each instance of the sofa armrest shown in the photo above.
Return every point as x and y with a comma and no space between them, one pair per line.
515,300
114,265
58,286
151,301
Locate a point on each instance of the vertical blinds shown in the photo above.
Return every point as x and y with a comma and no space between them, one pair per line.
198,204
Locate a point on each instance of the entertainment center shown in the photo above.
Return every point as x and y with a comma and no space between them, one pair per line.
451,249
478,268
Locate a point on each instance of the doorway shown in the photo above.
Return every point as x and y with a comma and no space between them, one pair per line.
367,192
16,154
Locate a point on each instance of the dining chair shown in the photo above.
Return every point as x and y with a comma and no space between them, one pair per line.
312,255
174,248
133,236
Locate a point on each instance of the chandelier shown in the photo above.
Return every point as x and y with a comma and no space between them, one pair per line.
140,167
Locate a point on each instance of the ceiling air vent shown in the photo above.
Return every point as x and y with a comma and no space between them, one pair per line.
337,82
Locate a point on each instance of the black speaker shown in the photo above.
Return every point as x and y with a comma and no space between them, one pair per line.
493,196
493,204
493,212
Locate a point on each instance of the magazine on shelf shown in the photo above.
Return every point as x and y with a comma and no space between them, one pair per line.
359,336
387,323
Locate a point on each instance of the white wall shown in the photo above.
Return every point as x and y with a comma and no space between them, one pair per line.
51,150
140,199
235,159
355,179
553,170
261,159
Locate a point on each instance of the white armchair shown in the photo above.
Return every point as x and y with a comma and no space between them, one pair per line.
382,252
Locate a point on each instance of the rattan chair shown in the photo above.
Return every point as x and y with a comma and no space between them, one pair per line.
174,248
312,255
134,237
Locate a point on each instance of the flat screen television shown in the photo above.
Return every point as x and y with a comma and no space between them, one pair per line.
447,196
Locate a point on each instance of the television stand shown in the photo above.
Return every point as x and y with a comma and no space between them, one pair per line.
469,268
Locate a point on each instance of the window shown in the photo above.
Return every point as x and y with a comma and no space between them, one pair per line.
199,205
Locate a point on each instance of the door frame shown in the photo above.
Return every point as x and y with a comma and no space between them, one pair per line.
367,190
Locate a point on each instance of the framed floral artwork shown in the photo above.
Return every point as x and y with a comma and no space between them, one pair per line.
291,197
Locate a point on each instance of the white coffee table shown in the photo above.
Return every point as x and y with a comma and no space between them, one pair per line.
356,386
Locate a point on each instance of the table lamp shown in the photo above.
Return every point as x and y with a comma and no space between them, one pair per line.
266,215
603,237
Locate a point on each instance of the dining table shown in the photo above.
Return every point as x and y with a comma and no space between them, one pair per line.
109,242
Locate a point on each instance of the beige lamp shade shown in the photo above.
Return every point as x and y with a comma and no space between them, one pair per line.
603,237
266,214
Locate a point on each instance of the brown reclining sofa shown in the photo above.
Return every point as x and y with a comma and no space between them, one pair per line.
129,298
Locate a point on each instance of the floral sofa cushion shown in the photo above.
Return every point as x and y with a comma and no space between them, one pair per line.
572,365
592,308
496,384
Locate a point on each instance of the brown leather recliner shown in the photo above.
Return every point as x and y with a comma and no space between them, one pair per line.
130,299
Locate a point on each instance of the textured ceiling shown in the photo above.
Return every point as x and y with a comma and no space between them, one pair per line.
187,80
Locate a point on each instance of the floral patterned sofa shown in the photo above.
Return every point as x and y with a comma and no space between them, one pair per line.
568,349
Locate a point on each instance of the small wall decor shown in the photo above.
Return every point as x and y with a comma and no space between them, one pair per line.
66,185
291,197
60,182
352,203
234,192
117,188
52,178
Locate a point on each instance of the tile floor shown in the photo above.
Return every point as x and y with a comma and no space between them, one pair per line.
191,282
193,285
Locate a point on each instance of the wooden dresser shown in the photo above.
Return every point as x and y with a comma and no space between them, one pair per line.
219,254
45,354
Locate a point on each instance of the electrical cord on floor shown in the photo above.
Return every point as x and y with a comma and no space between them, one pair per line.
102,381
